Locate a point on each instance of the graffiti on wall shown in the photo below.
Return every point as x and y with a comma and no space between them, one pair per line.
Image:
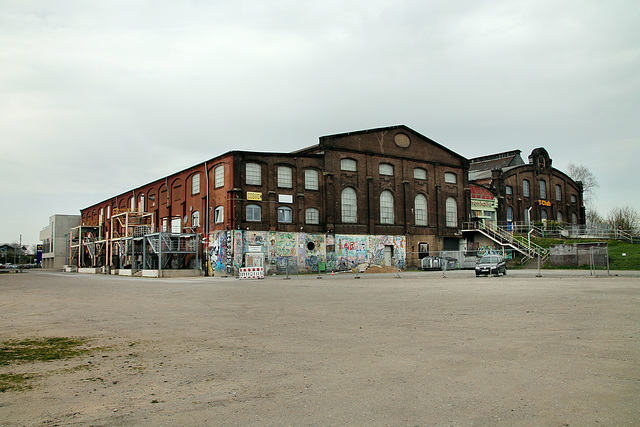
218,251
378,250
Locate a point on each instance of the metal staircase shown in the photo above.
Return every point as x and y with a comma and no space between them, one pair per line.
503,237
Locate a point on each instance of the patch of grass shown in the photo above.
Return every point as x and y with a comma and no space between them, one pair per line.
630,260
15,382
42,349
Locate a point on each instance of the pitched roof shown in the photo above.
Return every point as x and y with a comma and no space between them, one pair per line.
496,161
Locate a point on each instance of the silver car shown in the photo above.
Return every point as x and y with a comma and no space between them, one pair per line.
491,264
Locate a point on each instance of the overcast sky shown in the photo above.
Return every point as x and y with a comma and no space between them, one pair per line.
98,97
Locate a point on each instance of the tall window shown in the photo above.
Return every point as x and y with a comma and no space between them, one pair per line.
310,179
386,207
312,216
253,174
218,215
509,190
349,205
284,214
141,203
558,193
574,199
543,214
525,188
132,204
254,213
108,212
543,189
218,173
195,184
285,177
419,173
195,219
451,212
348,165
450,178
509,214
420,210
385,169
559,216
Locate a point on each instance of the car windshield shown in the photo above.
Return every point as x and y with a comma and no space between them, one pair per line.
489,260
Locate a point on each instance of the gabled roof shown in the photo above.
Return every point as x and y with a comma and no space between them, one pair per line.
496,161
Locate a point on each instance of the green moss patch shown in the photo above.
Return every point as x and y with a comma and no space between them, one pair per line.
42,349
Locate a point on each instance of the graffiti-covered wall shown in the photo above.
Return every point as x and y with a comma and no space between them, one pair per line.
303,252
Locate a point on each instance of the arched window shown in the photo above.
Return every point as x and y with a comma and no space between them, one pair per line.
285,214
450,178
195,184
310,179
420,210
543,189
558,193
386,207
419,173
543,214
195,219
385,169
218,176
254,213
525,188
348,165
218,215
253,175
285,177
141,203
451,212
349,205
312,216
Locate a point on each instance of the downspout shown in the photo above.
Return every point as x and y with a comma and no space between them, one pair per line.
206,222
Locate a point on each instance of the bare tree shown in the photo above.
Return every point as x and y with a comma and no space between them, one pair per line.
589,182
593,218
626,218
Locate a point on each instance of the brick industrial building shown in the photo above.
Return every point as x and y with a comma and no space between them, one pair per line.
384,196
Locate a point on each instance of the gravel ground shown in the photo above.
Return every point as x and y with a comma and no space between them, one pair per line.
419,350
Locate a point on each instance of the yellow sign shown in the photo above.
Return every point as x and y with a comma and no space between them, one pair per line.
254,196
544,203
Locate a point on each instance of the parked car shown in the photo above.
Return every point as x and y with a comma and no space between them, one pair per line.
491,264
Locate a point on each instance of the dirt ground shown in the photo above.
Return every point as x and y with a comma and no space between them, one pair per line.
419,350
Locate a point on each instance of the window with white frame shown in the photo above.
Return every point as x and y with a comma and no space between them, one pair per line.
285,214
558,193
543,189
451,209
385,169
420,210
450,178
141,203
312,216
195,184
132,204
419,173
254,213
218,215
348,165
310,179
285,177
386,207
218,176
195,219
108,212
253,174
349,205
525,188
